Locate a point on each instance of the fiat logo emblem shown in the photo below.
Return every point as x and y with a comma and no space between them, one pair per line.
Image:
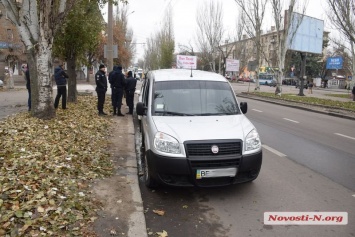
214,149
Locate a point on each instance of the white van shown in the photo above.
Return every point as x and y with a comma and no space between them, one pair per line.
194,133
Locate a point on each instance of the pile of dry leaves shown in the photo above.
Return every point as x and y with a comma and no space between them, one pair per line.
45,169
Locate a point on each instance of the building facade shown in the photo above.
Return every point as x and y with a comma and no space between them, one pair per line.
245,51
11,47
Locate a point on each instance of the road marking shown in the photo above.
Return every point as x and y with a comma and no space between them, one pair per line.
274,151
342,135
293,121
257,110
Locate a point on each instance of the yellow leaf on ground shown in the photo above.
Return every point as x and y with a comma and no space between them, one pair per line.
159,212
162,234
40,209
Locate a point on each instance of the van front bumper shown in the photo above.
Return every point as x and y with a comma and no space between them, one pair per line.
182,171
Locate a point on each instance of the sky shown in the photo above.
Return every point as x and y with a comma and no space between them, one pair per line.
148,15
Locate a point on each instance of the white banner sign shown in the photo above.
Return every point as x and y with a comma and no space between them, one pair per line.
232,65
187,62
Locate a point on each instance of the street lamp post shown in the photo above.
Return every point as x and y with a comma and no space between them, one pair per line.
110,38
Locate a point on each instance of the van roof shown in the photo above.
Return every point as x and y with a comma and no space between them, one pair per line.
185,74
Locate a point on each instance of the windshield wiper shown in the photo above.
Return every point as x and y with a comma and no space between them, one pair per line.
173,113
215,114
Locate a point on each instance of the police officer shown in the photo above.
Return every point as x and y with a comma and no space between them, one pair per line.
110,80
117,85
130,89
101,88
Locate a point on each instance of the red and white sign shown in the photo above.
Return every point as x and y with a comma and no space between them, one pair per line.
187,62
232,65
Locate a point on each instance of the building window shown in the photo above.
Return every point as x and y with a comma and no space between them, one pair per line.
10,35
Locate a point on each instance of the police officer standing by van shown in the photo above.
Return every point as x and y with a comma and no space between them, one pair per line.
130,89
101,88
117,82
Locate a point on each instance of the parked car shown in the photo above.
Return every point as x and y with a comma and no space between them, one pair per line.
245,79
194,131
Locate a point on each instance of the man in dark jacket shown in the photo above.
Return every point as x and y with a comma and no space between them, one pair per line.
117,85
28,86
61,80
110,81
101,88
130,89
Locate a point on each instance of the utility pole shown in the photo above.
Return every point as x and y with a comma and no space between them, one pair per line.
110,37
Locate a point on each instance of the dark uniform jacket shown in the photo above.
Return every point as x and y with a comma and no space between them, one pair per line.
117,79
101,81
110,75
130,85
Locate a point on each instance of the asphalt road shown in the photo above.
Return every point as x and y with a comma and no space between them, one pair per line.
283,185
308,163
320,142
13,102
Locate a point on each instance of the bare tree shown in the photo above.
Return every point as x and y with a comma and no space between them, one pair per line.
342,16
240,51
224,52
210,31
254,11
167,44
285,35
160,46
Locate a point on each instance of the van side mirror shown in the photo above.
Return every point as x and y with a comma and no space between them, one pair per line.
244,107
141,109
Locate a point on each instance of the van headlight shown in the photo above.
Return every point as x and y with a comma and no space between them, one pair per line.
252,141
166,143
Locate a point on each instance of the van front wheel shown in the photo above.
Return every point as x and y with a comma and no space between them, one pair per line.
148,179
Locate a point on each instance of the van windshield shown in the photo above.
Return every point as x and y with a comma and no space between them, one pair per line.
193,98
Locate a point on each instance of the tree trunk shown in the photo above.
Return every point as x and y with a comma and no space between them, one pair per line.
303,70
88,74
41,84
72,92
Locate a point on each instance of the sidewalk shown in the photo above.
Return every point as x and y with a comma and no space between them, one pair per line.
122,206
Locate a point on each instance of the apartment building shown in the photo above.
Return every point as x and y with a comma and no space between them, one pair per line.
11,47
245,51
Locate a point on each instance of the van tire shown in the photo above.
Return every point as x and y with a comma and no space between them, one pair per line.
148,179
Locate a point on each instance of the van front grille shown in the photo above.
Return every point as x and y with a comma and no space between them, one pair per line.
205,148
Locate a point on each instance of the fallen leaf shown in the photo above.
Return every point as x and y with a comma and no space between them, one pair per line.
162,234
40,209
113,232
159,212
185,206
